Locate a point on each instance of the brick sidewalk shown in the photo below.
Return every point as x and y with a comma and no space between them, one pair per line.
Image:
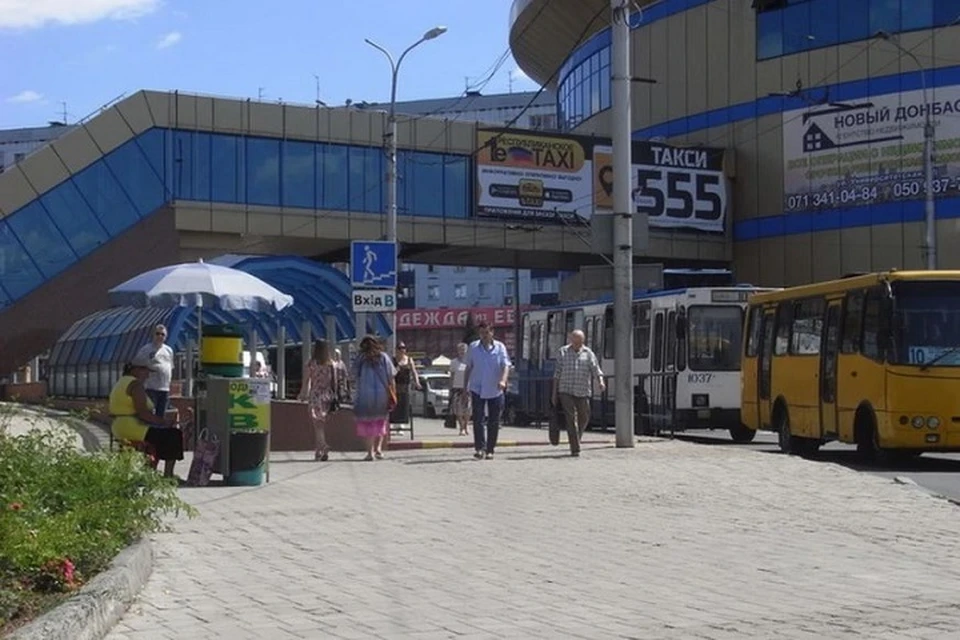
669,540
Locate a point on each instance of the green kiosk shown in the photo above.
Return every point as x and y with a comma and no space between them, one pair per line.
233,409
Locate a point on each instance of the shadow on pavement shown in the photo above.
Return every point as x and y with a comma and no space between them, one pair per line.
927,463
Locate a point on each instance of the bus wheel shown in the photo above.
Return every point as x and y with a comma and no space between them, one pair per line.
742,433
787,442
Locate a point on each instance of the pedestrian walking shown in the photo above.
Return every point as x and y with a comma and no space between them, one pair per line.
405,378
376,395
459,395
488,367
159,357
321,392
576,372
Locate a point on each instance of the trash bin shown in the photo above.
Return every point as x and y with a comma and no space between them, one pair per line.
248,458
221,352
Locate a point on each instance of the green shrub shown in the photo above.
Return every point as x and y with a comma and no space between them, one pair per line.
65,513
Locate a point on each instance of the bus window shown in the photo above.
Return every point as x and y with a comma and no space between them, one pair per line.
588,332
536,338
525,337
597,344
682,340
807,326
753,331
784,324
670,347
713,337
872,325
555,335
641,329
658,343
609,348
852,322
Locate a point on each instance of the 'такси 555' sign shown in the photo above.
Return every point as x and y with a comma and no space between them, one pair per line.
677,187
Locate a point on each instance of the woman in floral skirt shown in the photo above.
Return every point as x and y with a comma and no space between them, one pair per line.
320,391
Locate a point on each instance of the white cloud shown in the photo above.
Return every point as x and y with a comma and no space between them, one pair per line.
169,40
37,13
517,75
25,96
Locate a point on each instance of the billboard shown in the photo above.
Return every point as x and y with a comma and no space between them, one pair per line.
869,151
522,175
677,187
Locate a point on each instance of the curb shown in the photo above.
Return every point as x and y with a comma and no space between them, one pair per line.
99,604
407,445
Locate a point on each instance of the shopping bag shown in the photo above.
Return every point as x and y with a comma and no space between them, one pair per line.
558,422
204,456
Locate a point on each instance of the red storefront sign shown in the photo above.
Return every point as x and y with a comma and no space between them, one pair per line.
453,318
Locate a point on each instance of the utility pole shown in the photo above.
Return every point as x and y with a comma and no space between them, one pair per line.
622,224
391,140
929,133
260,94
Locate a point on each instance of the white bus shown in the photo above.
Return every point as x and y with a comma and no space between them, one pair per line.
686,357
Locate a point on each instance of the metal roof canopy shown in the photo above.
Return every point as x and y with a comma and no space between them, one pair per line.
113,335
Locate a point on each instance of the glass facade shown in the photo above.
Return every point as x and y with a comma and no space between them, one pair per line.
802,25
83,212
585,91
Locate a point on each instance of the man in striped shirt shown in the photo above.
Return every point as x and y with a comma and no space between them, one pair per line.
577,370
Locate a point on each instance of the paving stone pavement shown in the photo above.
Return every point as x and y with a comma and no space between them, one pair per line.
668,540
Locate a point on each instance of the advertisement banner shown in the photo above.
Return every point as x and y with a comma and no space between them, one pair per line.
869,151
249,407
522,175
453,318
677,187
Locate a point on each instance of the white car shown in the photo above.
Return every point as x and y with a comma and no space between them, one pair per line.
433,399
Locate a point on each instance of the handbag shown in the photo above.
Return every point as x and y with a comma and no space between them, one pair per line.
204,456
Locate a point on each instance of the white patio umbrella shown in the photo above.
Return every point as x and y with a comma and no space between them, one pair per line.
200,284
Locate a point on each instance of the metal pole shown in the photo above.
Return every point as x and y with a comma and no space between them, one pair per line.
931,203
622,224
392,196
281,371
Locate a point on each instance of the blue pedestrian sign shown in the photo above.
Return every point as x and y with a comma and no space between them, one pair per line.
373,264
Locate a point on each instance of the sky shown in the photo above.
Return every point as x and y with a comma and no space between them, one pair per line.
86,53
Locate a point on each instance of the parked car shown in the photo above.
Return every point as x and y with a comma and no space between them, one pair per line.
433,399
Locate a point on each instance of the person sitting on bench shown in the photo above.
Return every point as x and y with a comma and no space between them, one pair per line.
134,421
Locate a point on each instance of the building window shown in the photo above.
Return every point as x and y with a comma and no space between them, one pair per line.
460,291
433,292
483,290
459,269
484,269
431,268
508,288
801,25
17,157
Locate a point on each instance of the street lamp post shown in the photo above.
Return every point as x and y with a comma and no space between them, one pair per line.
392,151
930,241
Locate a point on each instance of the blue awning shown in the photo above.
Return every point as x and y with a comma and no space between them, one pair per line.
113,335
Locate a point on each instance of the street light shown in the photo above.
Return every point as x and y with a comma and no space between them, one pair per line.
930,242
392,150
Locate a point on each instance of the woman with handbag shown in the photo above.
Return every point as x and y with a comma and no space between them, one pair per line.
321,386
376,396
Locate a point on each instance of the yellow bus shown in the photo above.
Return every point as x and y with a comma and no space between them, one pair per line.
871,360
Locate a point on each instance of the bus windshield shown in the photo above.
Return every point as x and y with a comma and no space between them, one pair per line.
713,338
927,323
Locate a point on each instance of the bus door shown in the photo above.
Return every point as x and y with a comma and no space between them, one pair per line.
828,370
765,366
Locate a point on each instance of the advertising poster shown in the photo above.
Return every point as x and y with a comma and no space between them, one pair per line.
522,175
869,151
249,407
677,187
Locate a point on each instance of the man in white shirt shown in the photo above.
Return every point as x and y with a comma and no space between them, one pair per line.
488,369
160,356
576,373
